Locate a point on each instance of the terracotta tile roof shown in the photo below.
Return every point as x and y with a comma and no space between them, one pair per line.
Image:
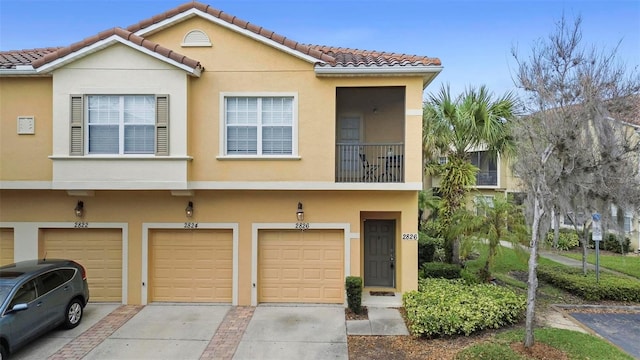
127,35
259,30
326,55
357,57
332,56
13,58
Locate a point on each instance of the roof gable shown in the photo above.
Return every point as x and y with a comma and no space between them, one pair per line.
328,61
65,55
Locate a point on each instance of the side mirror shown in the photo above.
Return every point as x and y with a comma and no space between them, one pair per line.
19,307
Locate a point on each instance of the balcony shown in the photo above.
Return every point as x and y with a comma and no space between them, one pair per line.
487,178
370,162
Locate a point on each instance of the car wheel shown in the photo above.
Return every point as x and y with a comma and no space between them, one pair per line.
3,353
73,315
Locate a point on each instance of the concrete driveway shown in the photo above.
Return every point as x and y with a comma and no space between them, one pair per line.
167,331
194,331
295,332
50,343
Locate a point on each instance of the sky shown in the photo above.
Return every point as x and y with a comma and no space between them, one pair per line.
473,39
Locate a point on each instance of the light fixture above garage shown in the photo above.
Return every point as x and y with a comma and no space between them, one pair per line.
189,209
300,213
79,209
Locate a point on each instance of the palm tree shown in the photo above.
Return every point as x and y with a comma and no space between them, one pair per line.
499,220
455,126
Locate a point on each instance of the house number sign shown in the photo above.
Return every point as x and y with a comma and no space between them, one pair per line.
410,236
302,226
190,225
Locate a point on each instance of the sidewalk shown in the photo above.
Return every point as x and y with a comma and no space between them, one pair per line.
552,255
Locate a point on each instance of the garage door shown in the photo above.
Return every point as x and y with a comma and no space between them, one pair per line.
98,250
191,265
6,246
297,266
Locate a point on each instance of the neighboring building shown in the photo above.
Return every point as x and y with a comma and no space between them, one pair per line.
494,177
195,157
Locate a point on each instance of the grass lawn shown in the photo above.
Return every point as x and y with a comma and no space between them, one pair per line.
505,261
574,344
629,264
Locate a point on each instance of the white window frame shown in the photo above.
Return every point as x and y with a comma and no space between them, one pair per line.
121,126
487,199
223,126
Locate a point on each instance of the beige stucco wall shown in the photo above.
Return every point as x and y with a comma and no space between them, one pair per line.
24,157
236,64
241,207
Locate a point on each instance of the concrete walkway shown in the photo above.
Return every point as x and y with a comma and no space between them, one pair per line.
382,321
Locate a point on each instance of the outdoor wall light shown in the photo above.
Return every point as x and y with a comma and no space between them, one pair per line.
79,209
300,213
189,209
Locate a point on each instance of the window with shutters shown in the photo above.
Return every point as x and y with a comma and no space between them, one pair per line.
259,126
119,124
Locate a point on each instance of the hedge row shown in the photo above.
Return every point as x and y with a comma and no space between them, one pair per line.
439,270
447,307
609,287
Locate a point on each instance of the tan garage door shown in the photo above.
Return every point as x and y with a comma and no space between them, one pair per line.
98,250
191,265
6,246
304,267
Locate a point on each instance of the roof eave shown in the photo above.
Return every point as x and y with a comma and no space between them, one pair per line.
196,12
102,44
428,72
20,71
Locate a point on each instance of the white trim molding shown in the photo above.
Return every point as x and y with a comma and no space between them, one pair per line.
146,227
256,227
111,40
195,12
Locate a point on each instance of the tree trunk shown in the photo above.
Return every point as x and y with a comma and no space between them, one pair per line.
538,211
584,239
556,228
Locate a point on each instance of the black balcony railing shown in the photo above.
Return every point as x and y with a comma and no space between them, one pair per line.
487,178
370,163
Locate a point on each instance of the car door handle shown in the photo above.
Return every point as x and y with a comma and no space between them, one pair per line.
39,304
66,288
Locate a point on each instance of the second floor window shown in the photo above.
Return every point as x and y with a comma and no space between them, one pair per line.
259,125
121,124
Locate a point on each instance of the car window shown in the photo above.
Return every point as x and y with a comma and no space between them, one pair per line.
25,294
53,279
4,292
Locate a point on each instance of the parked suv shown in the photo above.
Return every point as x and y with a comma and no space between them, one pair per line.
37,296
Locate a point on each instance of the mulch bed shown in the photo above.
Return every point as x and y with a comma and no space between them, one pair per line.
539,351
350,315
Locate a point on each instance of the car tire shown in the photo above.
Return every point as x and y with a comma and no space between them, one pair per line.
73,314
3,352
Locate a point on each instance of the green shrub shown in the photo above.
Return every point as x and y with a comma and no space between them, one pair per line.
612,242
567,239
610,287
447,307
439,270
469,277
353,285
427,247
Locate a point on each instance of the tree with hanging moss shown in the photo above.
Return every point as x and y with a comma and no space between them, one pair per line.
576,154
